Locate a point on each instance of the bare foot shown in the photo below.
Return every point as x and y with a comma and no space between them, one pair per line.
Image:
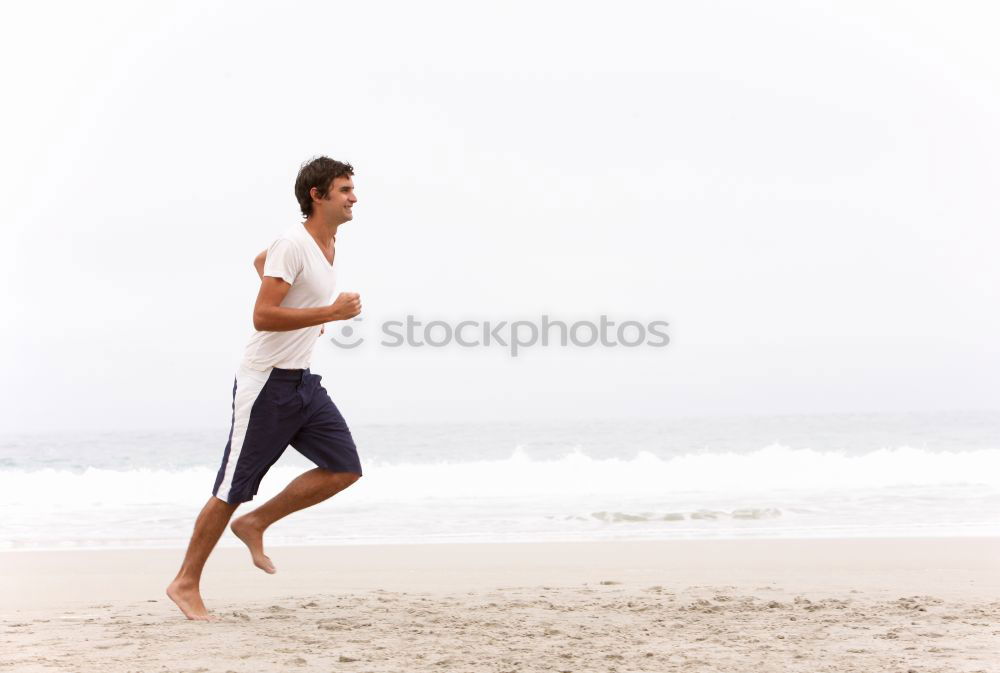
253,538
188,599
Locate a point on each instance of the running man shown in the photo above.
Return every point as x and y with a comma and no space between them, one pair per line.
277,401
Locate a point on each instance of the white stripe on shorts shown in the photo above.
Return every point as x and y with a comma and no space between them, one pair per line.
249,383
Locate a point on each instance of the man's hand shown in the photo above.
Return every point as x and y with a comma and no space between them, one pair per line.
346,306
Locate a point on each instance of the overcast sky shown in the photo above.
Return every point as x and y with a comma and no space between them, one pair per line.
806,192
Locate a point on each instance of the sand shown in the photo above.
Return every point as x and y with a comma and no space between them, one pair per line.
721,605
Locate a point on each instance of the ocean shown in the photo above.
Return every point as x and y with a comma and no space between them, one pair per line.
841,475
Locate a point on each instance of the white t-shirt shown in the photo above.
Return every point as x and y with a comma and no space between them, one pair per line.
297,259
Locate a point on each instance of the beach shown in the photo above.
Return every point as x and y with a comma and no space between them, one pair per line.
562,338
878,604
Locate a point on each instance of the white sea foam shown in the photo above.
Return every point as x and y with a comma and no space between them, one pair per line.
772,491
576,474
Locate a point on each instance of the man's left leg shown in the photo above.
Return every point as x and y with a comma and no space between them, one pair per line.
307,489
185,590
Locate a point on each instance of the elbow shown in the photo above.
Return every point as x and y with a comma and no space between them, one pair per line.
260,322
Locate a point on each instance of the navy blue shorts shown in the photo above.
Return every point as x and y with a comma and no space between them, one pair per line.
273,409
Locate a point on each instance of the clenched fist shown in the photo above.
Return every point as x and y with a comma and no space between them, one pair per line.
346,306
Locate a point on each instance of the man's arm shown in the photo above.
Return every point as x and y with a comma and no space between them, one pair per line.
270,316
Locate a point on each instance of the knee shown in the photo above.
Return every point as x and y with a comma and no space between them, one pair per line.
345,479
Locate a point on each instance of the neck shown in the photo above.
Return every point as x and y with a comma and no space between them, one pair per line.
321,231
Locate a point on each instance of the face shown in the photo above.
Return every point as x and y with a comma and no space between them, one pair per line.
338,204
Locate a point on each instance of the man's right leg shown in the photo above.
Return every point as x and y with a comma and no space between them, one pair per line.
185,589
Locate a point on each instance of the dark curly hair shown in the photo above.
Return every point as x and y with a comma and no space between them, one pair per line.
318,172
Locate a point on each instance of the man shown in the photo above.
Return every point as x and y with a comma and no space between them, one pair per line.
277,401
